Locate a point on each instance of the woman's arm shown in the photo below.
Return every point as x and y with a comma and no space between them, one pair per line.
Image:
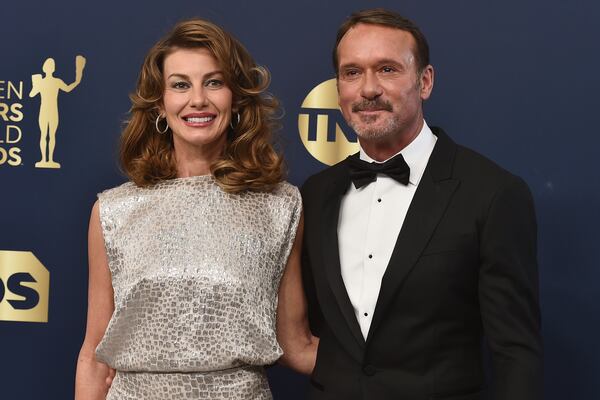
93,378
293,332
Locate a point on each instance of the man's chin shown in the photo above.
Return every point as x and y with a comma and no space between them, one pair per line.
373,135
371,131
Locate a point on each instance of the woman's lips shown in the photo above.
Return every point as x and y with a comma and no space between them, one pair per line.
198,120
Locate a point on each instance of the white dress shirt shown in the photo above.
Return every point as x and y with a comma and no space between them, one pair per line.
370,220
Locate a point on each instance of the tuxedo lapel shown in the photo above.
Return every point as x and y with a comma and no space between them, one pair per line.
427,208
331,255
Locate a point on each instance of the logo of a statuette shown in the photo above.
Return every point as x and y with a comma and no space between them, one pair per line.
319,125
24,287
49,87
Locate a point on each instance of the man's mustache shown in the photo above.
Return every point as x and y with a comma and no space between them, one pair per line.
372,105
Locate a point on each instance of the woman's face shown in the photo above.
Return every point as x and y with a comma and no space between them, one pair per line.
196,101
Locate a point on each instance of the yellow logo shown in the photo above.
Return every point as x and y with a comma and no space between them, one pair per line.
24,287
10,113
48,87
325,141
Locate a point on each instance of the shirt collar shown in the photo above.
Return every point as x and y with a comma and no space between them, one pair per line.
416,154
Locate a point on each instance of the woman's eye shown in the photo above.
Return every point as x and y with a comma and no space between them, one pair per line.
180,85
214,83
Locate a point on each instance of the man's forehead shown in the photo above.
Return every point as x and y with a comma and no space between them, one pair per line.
383,32
373,42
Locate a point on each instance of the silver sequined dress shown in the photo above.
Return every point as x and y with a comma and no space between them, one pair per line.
195,273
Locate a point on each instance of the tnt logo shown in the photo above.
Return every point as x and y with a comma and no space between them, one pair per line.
24,287
320,128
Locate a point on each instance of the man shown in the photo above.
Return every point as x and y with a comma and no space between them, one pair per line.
411,263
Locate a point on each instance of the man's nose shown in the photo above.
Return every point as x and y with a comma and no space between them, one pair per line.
371,87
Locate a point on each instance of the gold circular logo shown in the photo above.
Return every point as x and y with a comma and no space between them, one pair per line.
324,140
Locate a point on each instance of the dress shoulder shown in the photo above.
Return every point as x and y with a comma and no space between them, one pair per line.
118,191
287,190
289,197
290,200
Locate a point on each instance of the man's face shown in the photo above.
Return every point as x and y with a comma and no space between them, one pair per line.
380,89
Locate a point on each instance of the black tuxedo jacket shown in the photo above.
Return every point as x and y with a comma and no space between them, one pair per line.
463,269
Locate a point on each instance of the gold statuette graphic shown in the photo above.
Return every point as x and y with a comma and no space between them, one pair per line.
24,287
322,98
48,87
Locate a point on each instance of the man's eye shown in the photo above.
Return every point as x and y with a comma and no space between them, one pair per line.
351,73
180,85
387,69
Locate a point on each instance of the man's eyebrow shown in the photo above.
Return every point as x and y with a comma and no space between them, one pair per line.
348,65
383,61
389,61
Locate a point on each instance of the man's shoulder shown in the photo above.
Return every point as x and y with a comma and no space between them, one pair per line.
471,162
450,159
478,171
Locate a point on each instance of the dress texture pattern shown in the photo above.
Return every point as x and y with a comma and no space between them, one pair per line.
195,273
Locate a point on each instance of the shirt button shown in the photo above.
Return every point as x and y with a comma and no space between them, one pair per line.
379,200
370,255
369,370
366,314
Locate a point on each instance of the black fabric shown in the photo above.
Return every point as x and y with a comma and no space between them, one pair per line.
362,173
463,270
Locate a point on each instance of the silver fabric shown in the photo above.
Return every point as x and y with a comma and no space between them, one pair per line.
241,383
195,273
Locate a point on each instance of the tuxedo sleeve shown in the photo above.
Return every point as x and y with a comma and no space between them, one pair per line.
508,293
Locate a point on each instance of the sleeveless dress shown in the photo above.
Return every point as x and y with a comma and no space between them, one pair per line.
195,273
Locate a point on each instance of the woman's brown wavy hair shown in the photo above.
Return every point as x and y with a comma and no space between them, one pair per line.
249,160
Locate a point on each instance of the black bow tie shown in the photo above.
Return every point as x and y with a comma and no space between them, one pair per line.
362,173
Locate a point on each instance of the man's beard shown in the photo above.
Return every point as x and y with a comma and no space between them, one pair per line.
365,128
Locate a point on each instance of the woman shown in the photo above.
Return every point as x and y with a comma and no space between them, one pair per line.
191,261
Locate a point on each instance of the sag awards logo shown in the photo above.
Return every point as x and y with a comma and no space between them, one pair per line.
48,87
24,287
320,125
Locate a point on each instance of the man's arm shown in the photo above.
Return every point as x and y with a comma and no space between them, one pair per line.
508,293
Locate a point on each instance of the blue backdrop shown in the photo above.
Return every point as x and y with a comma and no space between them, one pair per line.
515,80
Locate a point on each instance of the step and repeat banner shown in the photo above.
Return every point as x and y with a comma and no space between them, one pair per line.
516,81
